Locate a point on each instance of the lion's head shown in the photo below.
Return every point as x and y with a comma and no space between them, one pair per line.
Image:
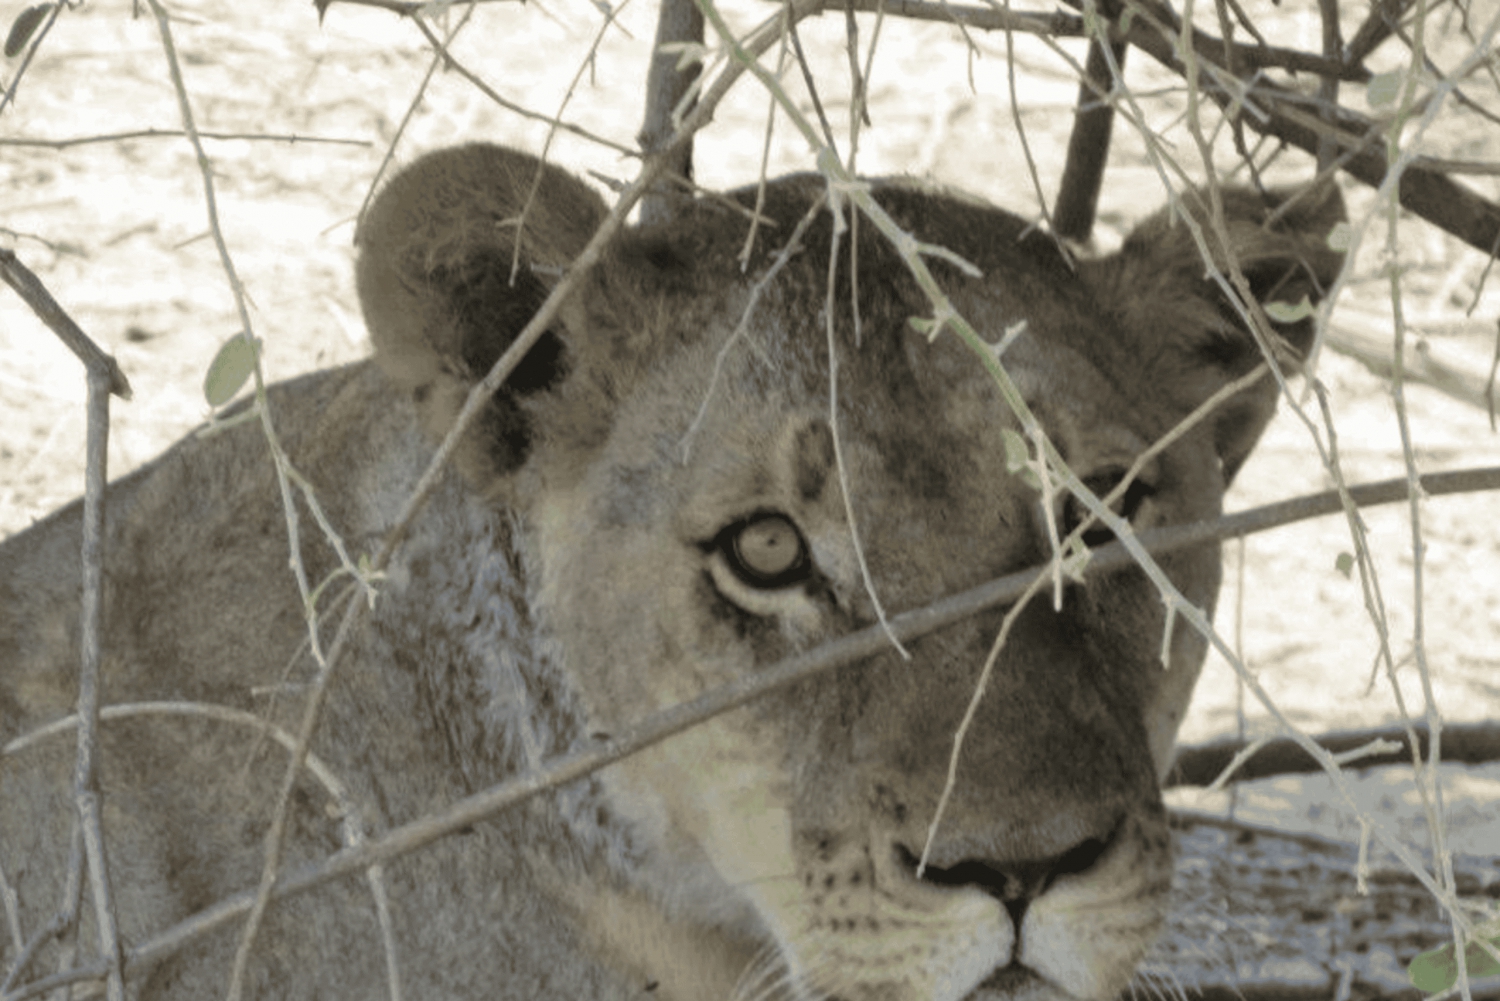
691,455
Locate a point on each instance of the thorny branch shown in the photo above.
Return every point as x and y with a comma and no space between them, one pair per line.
669,722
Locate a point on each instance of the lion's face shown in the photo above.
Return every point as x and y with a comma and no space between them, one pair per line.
694,457
667,575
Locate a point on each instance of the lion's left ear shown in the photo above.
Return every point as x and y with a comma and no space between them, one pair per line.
455,256
1160,290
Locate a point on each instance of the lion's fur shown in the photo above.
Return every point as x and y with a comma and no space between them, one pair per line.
586,567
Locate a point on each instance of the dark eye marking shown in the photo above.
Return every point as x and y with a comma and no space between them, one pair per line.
765,551
1127,507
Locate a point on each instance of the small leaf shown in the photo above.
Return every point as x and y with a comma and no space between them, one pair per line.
1289,312
1017,455
1344,564
23,27
1018,458
1341,237
1383,88
230,369
1437,969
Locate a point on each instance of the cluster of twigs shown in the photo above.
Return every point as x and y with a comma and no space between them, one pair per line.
689,76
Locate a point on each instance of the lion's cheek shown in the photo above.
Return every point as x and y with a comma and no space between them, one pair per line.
713,796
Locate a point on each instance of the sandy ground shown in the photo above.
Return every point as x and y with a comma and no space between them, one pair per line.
117,232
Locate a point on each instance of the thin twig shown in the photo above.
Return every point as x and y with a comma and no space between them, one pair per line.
476,403
104,378
742,328
439,58
838,653
111,137
669,82
494,95
31,290
86,793
1239,760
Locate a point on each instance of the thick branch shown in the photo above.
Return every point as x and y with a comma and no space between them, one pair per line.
669,722
668,82
1088,144
1288,116
1464,743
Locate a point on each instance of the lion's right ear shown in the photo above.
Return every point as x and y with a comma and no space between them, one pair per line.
455,256
1171,313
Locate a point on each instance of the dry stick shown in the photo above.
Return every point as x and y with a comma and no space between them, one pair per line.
104,378
1428,193
1203,764
966,15
668,82
494,95
282,466
946,316
1443,888
440,57
111,137
1429,782
477,401
405,8
31,290
792,670
1063,25
1088,144
1380,25
86,792
1015,116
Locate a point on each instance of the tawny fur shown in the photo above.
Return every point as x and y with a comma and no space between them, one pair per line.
626,531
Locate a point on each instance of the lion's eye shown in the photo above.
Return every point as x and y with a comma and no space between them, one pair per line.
1127,507
765,551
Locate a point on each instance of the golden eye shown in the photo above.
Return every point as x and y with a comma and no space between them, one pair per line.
766,551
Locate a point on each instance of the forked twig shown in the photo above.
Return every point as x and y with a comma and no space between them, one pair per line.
476,403
670,79
104,378
669,722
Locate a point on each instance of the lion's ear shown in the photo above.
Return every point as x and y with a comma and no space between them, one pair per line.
1158,286
455,255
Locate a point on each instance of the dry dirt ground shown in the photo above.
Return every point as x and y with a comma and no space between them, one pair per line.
117,231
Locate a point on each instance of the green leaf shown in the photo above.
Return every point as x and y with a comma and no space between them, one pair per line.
1437,969
1344,563
230,369
1017,455
1383,88
1018,458
1289,312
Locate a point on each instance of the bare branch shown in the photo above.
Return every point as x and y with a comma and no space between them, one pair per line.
669,722
31,290
110,137
1088,144
669,82
1466,743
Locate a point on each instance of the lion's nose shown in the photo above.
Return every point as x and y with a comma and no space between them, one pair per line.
1014,883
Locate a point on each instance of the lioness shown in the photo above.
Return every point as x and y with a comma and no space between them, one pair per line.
653,507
